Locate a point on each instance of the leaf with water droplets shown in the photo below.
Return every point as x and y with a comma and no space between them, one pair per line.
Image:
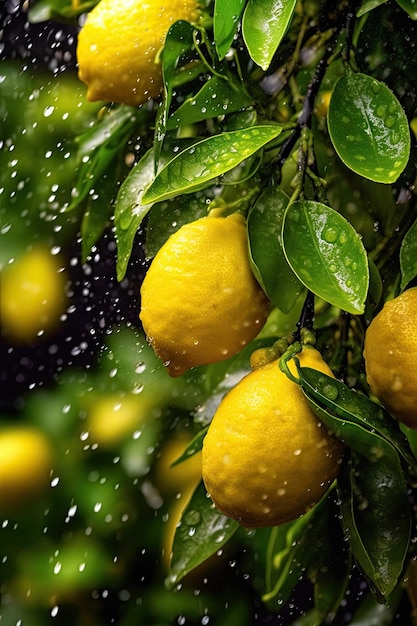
130,209
218,96
226,18
368,128
267,256
204,161
374,501
376,518
408,256
264,25
203,530
326,254
362,424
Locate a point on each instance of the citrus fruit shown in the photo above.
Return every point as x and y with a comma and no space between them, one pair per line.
32,295
200,301
112,417
119,43
390,353
26,461
267,458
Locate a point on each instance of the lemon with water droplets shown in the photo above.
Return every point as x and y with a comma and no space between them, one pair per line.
390,351
200,302
118,47
267,458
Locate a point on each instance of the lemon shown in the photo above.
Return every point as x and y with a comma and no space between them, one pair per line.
113,417
267,458
119,43
32,295
26,460
200,301
390,353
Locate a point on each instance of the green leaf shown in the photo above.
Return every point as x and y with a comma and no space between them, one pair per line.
98,147
226,19
193,168
376,514
293,547
130,210
179,39
202,531
410,6
368,128
268,260
264,25
376,518
369,5
362,424
326,254
408,256
219,96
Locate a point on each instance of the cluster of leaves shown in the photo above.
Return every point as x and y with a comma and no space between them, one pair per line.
303,115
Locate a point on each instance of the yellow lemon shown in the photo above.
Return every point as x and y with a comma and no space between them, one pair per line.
119,43
390,353
32,295
26,461
267,458
200,301
112,417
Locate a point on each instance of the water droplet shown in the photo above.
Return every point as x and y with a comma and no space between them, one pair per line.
330,391
330,234
192,518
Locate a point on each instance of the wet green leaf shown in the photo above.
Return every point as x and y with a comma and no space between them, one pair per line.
264,25
130,210
226,18
98,147
293,547
193,168
203,530
268,260
362,424
376,513
410,6
408,256
326,254
179,39
219,96
368,128
376,518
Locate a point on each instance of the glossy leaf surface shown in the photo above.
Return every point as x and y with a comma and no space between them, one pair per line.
193,168
410,6
326,254
408,256
264,25
368,128
225,23
270,266
376,517
218,96
130,210
202,531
